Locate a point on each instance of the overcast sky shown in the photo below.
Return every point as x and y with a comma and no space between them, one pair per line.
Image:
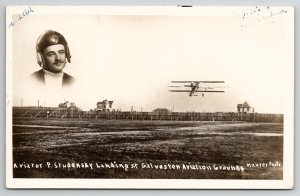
131,59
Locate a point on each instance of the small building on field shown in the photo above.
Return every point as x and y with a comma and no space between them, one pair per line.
244,108
104,106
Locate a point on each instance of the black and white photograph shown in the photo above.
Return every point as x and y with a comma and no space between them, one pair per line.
157,97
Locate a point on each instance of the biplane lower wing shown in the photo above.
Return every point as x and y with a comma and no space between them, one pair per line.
210,91
178,91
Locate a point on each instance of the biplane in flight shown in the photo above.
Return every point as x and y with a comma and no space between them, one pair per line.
193,87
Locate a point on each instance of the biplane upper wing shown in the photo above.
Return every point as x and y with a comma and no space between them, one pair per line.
197,91
197,81
179,90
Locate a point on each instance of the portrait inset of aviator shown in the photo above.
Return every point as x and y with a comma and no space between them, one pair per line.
52,55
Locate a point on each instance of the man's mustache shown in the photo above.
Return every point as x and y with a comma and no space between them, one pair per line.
58,62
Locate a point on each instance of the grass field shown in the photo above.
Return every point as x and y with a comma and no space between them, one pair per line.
72,148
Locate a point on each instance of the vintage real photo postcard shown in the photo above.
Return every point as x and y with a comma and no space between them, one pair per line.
164,97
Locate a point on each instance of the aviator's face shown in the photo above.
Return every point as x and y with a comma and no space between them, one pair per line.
54,58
